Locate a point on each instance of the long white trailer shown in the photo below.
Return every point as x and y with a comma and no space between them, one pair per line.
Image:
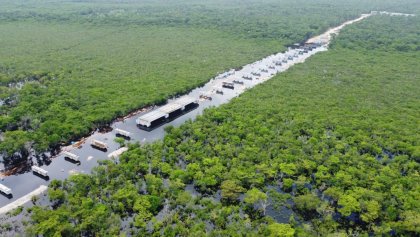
184,101
71,156
5,189
165,111
39,170
147,119
169,108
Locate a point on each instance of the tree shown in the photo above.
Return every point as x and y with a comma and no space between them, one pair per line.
183,198
120,141
256,197
143,215
348,205
52,223
372,211
307,202
231,190
410,222
288,169
15,141
287,184
153,183
281,230
56,196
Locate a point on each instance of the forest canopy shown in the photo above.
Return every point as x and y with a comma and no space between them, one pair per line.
332,144
69,67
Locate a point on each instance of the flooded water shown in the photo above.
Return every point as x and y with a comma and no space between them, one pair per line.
260,71
60,168
13,85
281,211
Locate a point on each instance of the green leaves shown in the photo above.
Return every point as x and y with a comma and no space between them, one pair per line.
372,211
335,135
281,230
307,202
288,168
255,197
120,141
15,141
348,204
144,66
365,36
231,190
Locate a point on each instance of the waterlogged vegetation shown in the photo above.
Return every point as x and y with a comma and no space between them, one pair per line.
84,63
335,140
112,72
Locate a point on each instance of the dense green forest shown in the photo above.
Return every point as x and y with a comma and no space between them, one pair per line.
335,140
83,63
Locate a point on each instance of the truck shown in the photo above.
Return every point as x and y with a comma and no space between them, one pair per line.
5,190
39,170
99,145
122,133
71,156
228,85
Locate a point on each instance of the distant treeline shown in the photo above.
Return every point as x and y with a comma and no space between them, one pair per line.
285,19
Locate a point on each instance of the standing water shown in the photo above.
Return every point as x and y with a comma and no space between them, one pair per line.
217,91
